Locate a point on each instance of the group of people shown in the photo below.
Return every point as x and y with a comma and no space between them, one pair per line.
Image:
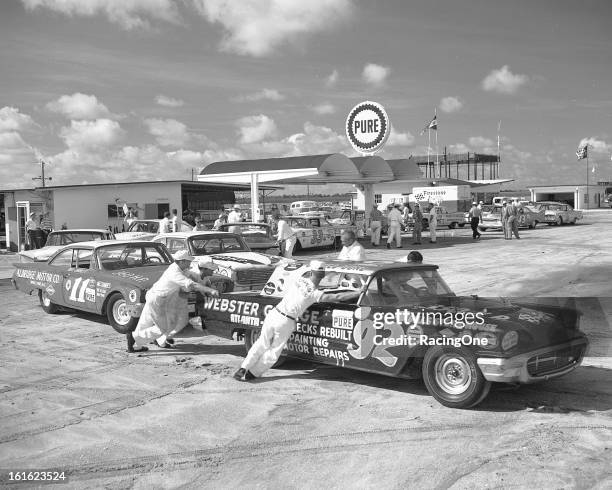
398,214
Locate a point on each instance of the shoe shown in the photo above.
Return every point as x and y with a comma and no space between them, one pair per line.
170,341
165,345
138,349
478,237
388,245
248,376
239,375
431,241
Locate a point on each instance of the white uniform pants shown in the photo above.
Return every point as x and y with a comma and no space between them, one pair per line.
266,350
376,228
395,230
287,248
433,223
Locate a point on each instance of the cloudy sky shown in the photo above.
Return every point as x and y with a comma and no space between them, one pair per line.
116,90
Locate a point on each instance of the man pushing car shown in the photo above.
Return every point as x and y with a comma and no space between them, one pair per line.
281,321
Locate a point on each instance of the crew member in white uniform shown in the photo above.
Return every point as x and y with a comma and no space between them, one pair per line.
280,322
286,238
433,222
394,219
376,218
352,249
165,311
234,217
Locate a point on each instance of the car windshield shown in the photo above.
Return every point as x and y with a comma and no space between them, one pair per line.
127,255
217,244
406,286
68,237
144,226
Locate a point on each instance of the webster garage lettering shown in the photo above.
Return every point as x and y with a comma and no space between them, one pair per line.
41,276
224,305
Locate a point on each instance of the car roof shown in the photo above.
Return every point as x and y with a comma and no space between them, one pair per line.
83,230
106,243
371,266
188,234
242,223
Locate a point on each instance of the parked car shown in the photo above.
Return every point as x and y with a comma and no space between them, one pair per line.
558,213
528,217
247,269
355,217
61,238
146,229
257,235
316,232
407,323
109,278
445,218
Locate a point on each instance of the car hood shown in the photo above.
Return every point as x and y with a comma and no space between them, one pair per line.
241,260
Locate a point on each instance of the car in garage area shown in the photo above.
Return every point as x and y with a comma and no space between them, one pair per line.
407,323
248,270
558,213
59,239
528,217
257,235
146,229
109,278
315,232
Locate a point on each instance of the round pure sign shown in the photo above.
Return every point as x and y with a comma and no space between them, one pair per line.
367,127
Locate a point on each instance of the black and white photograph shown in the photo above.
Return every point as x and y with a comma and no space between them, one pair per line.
285,244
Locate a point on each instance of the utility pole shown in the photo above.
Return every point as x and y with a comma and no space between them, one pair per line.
42,177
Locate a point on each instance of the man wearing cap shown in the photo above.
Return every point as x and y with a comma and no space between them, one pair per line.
394,220
375,224
280,322
234,217
352,249
165,311
475,214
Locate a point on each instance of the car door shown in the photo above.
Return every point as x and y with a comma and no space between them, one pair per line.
79,282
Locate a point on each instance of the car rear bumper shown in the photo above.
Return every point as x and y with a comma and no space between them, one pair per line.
538,365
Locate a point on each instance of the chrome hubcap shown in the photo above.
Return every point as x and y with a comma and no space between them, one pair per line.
120,312
453,374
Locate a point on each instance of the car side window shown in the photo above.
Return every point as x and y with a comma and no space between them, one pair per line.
82,259
175,244
63,259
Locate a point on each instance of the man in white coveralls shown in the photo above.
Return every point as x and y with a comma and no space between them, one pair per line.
165,309
281,321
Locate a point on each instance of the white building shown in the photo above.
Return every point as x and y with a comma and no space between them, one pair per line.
576,195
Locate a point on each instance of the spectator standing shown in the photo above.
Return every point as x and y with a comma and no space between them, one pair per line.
175,221
286,238
433,222
505,215
130,217
376,218
221,220
199,225
164,225
34,232
417,216
513,220
394,220
234,217
475,215
352,249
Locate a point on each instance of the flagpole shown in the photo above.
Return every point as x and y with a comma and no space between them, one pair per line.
587,179
428,146
438,169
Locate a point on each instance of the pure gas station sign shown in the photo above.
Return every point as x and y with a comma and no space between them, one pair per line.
367,127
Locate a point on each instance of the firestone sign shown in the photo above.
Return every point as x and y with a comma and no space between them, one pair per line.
367,127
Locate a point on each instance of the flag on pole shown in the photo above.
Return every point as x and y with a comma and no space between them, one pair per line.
432,125
125,208
582,152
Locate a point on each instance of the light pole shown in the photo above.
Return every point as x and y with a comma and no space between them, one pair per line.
42,177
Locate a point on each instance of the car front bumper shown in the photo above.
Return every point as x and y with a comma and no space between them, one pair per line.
538,365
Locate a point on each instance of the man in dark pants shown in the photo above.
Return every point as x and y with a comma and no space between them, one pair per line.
475,214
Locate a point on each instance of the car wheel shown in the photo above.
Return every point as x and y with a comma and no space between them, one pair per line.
461,225
118,316
453,377
250,336
452,226
559,221
45,302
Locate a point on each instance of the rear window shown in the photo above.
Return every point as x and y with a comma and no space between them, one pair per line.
60,239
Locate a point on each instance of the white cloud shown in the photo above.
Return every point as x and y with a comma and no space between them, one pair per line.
596,145
168,101
375,74
13,120
253,129
480,142
100,133
504,81
79,106
332,78
323,109
257,28
400,139
264,94
458,148
450,104
168,132
129,14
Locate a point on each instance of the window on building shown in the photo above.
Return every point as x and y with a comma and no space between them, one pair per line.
377,198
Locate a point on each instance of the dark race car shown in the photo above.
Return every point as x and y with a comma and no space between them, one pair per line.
407,323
